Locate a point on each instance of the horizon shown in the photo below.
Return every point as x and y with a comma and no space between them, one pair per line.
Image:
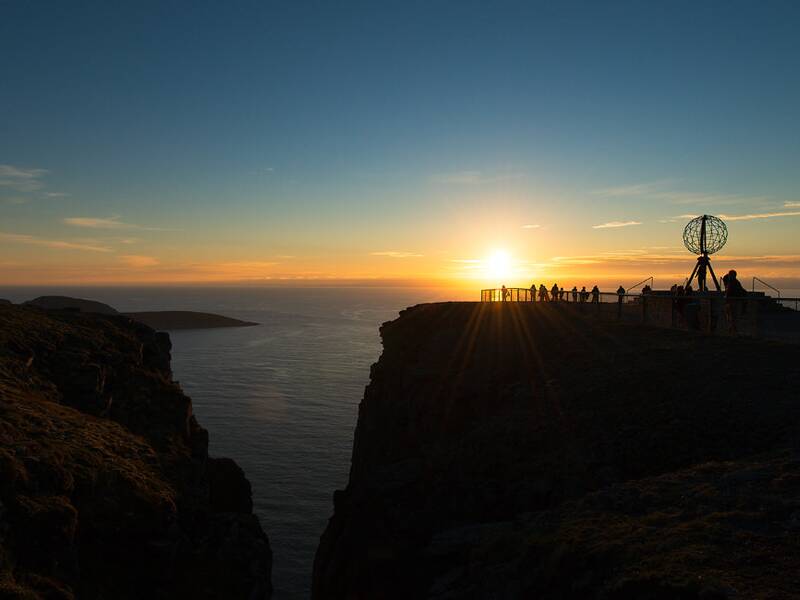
408,145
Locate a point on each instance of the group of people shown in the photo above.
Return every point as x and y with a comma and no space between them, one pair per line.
682,296
556,294
733,291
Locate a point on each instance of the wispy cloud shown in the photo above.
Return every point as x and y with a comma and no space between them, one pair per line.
14,200
613,224
661,191
106,223
746,217
475,177
676,257
98,223
56,244
395,254
20,178
137,261
768,215
56,194
531,226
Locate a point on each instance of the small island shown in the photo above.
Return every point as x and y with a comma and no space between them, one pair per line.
167,320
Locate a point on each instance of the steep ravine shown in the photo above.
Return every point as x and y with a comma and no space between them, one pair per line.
106,486
524,451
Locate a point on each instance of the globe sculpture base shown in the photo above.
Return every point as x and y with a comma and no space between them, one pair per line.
702,267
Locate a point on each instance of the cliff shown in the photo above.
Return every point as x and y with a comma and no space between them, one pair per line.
106,486
524,451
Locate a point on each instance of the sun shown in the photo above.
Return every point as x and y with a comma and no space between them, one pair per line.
498,266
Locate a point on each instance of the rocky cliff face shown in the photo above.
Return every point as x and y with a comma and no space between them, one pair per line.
106,486
524,451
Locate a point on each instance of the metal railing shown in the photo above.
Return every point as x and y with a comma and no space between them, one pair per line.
651,279
756,314
765,284
506,295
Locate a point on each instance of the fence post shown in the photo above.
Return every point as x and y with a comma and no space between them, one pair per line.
644,308
673,316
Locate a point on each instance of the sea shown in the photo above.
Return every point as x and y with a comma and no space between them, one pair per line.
281,398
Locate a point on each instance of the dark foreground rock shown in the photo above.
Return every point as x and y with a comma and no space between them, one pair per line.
106,486
523,451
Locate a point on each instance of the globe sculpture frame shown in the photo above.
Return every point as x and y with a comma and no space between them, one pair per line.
704,236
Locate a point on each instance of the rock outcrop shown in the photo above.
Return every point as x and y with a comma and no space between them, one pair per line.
106,486
524,451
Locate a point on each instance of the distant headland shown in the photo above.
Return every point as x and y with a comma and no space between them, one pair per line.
167,320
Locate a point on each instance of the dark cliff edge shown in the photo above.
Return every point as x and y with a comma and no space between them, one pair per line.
106,486
524,451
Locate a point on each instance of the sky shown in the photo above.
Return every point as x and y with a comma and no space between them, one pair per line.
450,143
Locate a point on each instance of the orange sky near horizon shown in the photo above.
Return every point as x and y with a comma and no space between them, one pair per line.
493,266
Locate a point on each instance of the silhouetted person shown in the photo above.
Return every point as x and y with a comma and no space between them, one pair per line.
505,293
554,292
734,294
646,289
674,289
584,294
687,291
561,294
533,292
542,293
574,293
595,295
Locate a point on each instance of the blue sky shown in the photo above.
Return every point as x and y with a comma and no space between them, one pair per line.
362,140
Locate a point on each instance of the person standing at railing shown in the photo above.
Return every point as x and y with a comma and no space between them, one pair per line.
533,292
584,294
542,293
620,292
595,295
554,293
734,295
505,293
561,294
574,293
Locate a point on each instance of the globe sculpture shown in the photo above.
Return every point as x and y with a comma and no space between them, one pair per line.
704,236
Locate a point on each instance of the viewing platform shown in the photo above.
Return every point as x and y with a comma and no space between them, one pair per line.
756,314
